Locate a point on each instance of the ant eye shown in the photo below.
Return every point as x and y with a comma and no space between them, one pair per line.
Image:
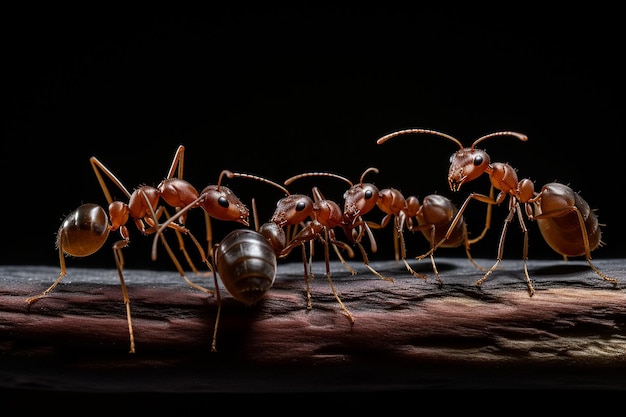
478,160
300,206
368,194
223,201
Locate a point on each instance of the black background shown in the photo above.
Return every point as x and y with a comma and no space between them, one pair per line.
276,91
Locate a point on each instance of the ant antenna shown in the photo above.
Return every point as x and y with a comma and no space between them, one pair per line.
219,180
230,174
330,174
383,139
520,136
419,131
321,174
368,170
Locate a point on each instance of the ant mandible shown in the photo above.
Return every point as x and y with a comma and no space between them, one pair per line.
567,224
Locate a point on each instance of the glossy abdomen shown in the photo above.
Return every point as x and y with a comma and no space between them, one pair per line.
246,264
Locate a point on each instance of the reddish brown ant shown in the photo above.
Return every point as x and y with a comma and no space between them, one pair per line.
565,220
84,231
359,199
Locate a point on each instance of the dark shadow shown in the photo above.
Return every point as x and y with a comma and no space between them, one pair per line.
560,269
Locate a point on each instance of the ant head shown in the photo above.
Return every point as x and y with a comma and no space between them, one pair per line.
293,209
221,203
360,198
466,165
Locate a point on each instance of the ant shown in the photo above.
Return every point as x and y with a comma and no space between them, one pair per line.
565,220
85,230
359,199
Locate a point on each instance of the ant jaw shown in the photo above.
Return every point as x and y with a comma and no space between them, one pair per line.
455,185
350,214
456,180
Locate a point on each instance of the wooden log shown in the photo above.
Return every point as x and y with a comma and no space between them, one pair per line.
408,334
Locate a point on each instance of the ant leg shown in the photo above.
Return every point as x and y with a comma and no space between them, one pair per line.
490,203
32,299
209,234
219,311
180,269
309,305
367,264
403,256
467,244
330,282
179,230
99,166
311,254
119,262
154,229
513,209
396,244
531,290
600,274
432,256
345,247
588,250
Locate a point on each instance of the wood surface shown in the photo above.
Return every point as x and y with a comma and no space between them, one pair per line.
409,334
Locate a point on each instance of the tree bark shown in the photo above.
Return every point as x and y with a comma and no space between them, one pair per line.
408,334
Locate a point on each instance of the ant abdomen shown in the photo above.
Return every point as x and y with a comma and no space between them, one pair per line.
246,264
84,230
439,211
557,212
